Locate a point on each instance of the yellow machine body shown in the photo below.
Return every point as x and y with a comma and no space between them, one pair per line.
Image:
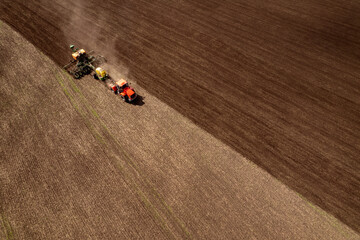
101,73
77,54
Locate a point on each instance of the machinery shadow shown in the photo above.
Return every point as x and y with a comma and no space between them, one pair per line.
139,101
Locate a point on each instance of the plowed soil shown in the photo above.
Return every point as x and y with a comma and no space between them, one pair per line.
277,82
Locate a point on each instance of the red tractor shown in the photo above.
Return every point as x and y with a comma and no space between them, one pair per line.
126,92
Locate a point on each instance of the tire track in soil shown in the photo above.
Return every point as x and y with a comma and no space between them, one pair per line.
39,83
132,175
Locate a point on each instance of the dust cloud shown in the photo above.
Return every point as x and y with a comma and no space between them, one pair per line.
94,36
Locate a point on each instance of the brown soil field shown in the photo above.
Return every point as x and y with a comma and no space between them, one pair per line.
78,163
277,81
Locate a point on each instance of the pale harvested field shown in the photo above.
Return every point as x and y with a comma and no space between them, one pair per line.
78,163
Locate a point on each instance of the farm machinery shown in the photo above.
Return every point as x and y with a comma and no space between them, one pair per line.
83,64
126,92
120,87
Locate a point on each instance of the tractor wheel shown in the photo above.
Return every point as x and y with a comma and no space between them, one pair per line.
125,98
88,70
77,75
96,77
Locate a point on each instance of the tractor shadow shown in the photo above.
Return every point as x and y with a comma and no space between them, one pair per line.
139,101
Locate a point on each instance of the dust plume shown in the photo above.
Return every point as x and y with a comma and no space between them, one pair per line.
95,35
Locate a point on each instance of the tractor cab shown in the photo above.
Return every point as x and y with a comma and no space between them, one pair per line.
122,84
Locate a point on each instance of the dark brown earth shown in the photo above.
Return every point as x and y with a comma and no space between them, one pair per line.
276,81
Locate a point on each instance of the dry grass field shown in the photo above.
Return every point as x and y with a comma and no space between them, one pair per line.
275,82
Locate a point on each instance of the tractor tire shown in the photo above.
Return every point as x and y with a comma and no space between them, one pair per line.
77,75
125,98
88,70
96,77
